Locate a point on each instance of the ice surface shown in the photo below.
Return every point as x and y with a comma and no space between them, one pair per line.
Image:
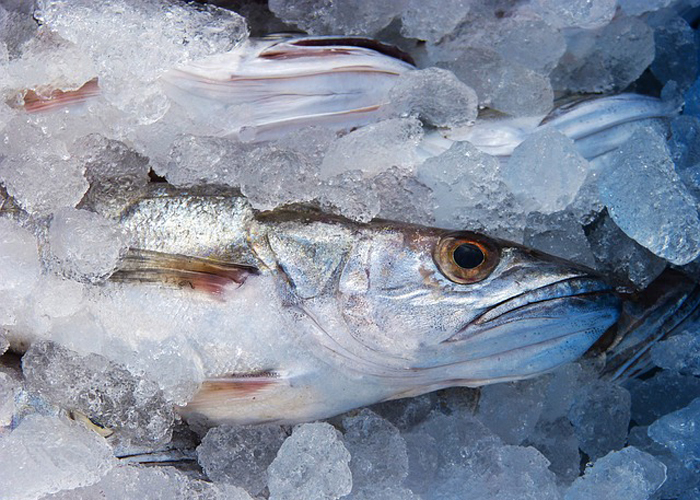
240,455
116,173
46,454
325,17
152,483
619,256
678,431
378,453
641,170
431,20
402,197
546,171
678,391
375,148
588,15
606,59
676,53
629,473
105,392
636,7
19,261
312,464
37,170
468,192
600,414
692,100
436,96
559,234
8,386
680,353
517,421
86,245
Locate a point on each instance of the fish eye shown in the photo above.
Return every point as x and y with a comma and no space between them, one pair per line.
466,257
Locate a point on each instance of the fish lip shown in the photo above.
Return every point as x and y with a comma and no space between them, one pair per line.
572,287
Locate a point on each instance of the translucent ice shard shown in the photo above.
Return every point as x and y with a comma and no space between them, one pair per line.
678,431
47,454
312,464
642,170
629,473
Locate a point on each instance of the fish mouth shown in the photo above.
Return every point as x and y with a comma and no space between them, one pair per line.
565,303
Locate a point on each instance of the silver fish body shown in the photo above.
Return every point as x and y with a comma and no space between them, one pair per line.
375,311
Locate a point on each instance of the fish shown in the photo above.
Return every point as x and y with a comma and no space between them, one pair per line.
378,311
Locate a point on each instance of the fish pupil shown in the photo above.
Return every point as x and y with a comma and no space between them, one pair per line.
468,256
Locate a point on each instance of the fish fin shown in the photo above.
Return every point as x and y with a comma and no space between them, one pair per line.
34,101
181,271
240,398
666,307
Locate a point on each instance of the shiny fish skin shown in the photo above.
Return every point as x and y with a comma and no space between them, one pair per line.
375,317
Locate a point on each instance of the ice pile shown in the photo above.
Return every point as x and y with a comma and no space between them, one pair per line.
86,125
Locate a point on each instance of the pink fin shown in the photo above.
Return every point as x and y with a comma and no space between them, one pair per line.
207,275
35,101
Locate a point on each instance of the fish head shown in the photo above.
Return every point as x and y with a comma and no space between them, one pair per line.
440,308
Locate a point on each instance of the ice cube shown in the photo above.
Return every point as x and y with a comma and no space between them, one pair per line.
678,391
607,59
587,15
692,100
312,464
240,455
105,392
629,473
432,20
678,431
511,410
151,483
619,256
406,413
679,353
600,414
378,452
37,170
468,192
676,53
555,439
348,195
636,7
86,245
19,260
559,234
402,197
545,171
8,387
324,17
117,174
436,96
374,148
642,170
47,454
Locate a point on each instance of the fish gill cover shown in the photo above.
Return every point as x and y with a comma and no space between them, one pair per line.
103,100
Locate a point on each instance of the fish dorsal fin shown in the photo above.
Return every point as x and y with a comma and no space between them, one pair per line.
180,271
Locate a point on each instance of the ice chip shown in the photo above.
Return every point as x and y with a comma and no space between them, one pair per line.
436,96
375,148
312,464
642,170
431,20
606,59
240,455
103,391
8,387
19,260
636,7
680,353
629,473
559,234
378,452
402,197
545,171
512,409
47,454
692,100
86,245
676,53
678,390
600,414
587,15
678,431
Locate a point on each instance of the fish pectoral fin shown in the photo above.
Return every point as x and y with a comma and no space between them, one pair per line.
181,271
239,398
